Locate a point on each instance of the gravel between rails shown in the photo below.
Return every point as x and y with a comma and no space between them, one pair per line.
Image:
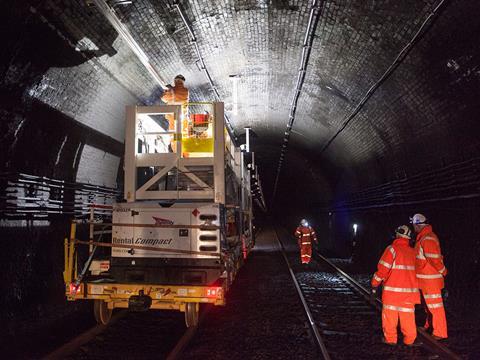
263,319
350,327
146,335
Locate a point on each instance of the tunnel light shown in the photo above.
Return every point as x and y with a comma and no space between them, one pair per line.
355,228
85,44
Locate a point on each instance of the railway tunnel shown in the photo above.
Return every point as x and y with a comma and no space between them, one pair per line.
362,113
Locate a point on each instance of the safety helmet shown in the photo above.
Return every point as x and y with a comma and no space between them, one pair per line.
304,222
418,219
179,77
403,231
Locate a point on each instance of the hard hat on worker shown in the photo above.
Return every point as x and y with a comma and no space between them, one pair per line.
304,222
179,77
418,219
403,231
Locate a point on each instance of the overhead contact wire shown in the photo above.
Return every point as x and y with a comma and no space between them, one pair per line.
390,70
315,13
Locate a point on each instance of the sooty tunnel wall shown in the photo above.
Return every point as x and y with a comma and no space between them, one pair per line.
364,149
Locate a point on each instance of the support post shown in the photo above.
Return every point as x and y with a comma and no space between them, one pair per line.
219,154
130,153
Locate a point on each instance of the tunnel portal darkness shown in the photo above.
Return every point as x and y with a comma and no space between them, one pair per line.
66,77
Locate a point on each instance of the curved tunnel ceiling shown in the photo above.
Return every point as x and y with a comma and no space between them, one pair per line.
252,50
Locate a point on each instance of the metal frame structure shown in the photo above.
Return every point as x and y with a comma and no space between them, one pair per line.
169,161
206,156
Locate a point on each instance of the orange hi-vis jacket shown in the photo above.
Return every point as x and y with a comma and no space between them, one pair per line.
429,261
176,95
396,269
305,235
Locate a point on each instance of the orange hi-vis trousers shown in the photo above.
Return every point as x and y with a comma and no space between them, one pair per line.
306,252
435,312
391,314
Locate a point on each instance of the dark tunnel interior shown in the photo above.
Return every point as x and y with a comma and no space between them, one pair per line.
413,146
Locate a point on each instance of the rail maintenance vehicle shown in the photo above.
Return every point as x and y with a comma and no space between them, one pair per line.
184,227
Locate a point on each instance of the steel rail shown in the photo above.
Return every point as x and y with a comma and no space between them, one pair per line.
441,349
187,337
311,320
74,344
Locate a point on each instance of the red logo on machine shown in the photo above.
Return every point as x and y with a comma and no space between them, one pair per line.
160,221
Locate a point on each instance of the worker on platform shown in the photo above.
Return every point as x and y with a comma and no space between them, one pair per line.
396,269
305,235
430,274
175,95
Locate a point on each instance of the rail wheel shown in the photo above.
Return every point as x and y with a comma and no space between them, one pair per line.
191,314
101,311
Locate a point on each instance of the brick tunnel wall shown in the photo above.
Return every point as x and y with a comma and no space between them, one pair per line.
66,77
62,101
414,146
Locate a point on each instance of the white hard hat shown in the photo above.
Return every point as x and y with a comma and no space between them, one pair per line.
403,231
418,219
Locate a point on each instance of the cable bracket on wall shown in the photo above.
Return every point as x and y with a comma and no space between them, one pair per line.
201,64
315,13
390,70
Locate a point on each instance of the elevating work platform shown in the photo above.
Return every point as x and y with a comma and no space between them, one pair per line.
184,227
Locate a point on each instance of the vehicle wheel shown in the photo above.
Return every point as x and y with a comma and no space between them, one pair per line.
101,311
191,314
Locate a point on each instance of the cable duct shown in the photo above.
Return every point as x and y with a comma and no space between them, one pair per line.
315,13
38,197
203,67
390,70
454,182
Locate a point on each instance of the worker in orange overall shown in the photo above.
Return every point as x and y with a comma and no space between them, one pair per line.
396,269
430,274
175,95
305,235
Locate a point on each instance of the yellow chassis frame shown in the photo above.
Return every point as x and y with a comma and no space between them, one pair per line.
167,297
116,295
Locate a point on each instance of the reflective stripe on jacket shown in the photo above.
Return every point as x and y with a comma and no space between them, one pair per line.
305,234
396,269
429,260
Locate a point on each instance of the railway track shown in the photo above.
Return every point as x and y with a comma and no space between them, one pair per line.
144,335
345,321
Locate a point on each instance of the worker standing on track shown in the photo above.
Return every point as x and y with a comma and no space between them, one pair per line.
430,274
396,269
175,95
305,235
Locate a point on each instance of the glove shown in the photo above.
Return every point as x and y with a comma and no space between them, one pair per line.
373,294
